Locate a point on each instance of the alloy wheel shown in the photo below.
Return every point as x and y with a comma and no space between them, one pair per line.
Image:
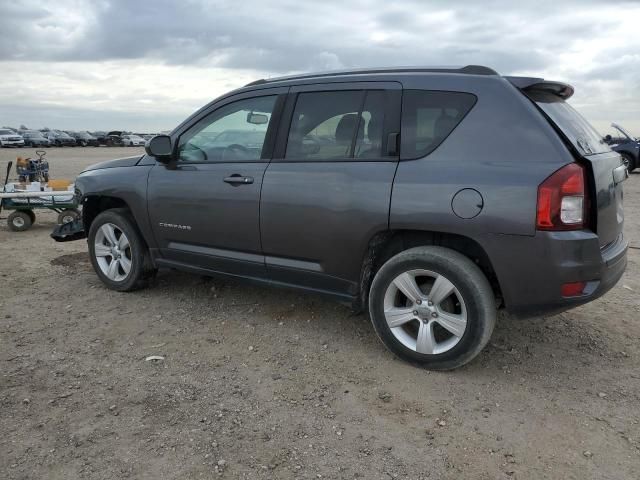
113,252
425,311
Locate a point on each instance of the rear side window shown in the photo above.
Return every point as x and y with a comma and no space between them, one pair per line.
428,117
579,132
337,125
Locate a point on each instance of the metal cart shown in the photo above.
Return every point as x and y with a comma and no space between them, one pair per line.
23,204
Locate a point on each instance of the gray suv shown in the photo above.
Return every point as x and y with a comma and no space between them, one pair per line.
428,197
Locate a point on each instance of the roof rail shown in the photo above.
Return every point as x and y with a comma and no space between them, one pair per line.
468,70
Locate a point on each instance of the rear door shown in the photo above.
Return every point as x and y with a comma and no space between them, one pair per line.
205,211
328,187
606,165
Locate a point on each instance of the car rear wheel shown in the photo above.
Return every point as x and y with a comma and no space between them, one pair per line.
117,251
628,161
432,306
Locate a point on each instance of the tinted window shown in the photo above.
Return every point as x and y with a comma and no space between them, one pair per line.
428,117
369,144
579,132
233,133
324,125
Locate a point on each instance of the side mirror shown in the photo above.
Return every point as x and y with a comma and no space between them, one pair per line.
161,148
608,138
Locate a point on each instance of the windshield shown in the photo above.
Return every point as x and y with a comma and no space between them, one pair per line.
6,132
579,132
234,136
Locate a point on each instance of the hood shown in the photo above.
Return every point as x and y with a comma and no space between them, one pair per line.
119,162
624,132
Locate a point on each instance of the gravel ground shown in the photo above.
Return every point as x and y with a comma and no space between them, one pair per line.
262,383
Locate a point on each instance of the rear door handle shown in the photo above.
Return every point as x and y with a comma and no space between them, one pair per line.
237,179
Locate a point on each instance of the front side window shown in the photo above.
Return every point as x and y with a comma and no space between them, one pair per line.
234,133
336,125
428,117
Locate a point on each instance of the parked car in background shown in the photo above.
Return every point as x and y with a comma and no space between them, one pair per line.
100,136
34,138
9,138
133,141
626,145
481,216
109,139
60,139
84,139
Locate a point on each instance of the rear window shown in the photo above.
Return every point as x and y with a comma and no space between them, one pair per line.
579,132
428,117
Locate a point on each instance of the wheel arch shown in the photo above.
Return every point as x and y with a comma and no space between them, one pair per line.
93,205
384,245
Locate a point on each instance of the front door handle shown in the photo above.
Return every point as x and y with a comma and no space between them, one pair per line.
237,179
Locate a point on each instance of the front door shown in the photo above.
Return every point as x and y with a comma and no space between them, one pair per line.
205,211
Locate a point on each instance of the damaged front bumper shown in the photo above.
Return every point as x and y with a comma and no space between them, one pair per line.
68,232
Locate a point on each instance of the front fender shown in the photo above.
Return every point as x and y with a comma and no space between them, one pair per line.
116,187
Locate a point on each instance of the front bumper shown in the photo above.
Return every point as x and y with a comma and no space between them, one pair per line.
532,270
12,143
68,232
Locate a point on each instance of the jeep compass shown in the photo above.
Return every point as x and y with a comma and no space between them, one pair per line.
429,197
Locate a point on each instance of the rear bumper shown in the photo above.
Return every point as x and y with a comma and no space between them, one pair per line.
532,270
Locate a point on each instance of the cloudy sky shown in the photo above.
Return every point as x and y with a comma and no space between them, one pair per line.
144,65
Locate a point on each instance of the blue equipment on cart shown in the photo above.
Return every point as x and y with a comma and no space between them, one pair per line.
33,170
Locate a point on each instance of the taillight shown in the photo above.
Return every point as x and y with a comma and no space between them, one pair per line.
562,200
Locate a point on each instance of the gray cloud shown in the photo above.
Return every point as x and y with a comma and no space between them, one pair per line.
285,36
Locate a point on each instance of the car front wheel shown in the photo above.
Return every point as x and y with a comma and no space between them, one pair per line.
117,251
432,306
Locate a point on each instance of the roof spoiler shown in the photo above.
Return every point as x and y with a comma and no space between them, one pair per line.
562,90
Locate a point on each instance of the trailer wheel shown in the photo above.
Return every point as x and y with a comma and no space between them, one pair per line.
19,221
68,215
32,214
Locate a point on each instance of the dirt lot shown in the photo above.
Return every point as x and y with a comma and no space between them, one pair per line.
260,383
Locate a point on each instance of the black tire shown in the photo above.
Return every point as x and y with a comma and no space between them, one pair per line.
471,284
68,215
19,221
141,268
31,214
629,161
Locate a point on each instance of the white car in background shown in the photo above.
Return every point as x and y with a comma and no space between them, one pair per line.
133,141
9,138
